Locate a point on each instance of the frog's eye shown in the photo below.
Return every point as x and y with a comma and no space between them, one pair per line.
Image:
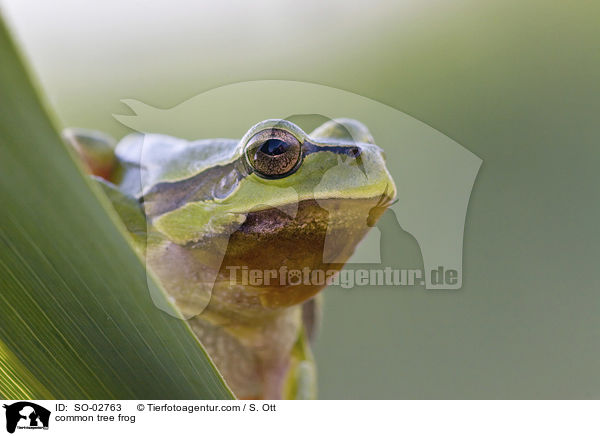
274,153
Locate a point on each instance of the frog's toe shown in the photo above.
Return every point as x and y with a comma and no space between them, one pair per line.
96,150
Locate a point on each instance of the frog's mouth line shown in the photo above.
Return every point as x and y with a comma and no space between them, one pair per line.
304,220
386,199
311,211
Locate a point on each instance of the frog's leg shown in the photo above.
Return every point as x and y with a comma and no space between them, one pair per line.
301,380
312,313
96,151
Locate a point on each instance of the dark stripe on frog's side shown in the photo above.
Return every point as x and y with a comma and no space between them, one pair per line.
218,182
349,150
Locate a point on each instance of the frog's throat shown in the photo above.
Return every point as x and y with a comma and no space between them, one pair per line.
317,241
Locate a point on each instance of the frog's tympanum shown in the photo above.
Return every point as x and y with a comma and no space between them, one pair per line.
243,234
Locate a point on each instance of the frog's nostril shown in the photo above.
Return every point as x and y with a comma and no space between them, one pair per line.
355,152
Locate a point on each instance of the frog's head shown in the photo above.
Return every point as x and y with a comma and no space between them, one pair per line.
278,200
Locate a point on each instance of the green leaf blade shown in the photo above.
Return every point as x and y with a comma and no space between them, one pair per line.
76,317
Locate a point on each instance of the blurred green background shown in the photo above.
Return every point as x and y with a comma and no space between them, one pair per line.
515,82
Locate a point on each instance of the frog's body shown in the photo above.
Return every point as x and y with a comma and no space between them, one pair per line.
206,214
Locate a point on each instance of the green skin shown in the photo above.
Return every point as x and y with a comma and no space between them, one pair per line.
201,212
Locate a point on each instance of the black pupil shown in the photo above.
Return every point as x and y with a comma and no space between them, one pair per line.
274,147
